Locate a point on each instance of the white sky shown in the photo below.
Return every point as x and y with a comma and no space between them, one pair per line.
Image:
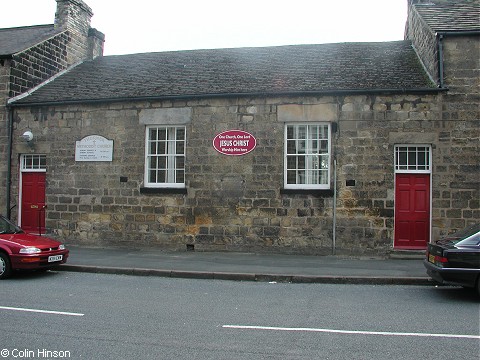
162,25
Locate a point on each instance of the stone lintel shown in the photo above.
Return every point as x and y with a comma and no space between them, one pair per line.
170,116
307,113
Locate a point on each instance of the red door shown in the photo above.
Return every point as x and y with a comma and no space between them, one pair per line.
33,202
412,211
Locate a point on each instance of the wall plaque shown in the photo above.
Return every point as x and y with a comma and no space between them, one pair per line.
94,148
234,142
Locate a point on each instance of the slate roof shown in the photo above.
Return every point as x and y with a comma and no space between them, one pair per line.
458,15
290,69
14,40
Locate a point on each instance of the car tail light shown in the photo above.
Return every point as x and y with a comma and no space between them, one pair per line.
441,261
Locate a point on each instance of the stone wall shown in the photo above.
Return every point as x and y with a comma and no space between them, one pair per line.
459,184
238,202
25,70
461,56
4,78
37,64
424,42
455,183
84,43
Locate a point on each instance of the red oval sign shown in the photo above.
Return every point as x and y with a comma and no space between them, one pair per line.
234,142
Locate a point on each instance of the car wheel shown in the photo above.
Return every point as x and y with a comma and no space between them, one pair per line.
5,269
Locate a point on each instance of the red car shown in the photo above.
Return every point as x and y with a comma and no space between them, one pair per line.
22,251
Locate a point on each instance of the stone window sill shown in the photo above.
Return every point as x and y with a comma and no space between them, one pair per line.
314,192
147,190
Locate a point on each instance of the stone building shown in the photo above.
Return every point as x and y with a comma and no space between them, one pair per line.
357,148
32,55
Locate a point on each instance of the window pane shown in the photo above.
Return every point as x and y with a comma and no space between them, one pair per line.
152,148
291,177
153,134
180,134
180,147
153,162
162,148
301,132
301,147
161,176
412,160
291,147
152,176
162,134
290,132
180,176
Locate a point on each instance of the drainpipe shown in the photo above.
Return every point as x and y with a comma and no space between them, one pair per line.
9,159
440,60
334,237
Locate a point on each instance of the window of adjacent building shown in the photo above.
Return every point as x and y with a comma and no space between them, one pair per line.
165,156
412,158
33,162
307,156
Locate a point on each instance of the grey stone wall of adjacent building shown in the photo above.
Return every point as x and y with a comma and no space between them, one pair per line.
24,70
83,42
424,41
37,64
4,77
237,202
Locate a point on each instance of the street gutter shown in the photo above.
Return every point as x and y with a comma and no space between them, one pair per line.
295,279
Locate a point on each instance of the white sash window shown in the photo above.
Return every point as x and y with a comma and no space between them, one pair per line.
307,156
165,156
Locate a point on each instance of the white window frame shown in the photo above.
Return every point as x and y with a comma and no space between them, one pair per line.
170,155
413,158
311,149
33,163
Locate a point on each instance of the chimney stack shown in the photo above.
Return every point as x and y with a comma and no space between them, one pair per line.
74,16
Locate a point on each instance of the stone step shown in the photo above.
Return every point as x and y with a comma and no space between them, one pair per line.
407,254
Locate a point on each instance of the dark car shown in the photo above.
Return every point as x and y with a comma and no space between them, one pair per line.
22,251
455,259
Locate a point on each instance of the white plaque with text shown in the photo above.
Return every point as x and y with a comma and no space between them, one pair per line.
94,148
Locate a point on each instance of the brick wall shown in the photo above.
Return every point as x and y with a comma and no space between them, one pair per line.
237,202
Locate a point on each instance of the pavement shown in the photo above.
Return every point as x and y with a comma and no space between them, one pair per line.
247,266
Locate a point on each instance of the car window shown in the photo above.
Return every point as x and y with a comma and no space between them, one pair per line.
464,233
6,227
473,240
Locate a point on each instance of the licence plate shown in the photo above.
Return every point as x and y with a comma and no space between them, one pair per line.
55,258
431,258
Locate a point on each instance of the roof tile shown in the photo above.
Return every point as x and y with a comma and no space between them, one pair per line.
14,40
266,70
458,15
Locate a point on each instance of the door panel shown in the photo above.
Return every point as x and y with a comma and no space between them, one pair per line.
33,202
412,211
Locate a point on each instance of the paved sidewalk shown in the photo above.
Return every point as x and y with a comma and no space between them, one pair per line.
247,266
